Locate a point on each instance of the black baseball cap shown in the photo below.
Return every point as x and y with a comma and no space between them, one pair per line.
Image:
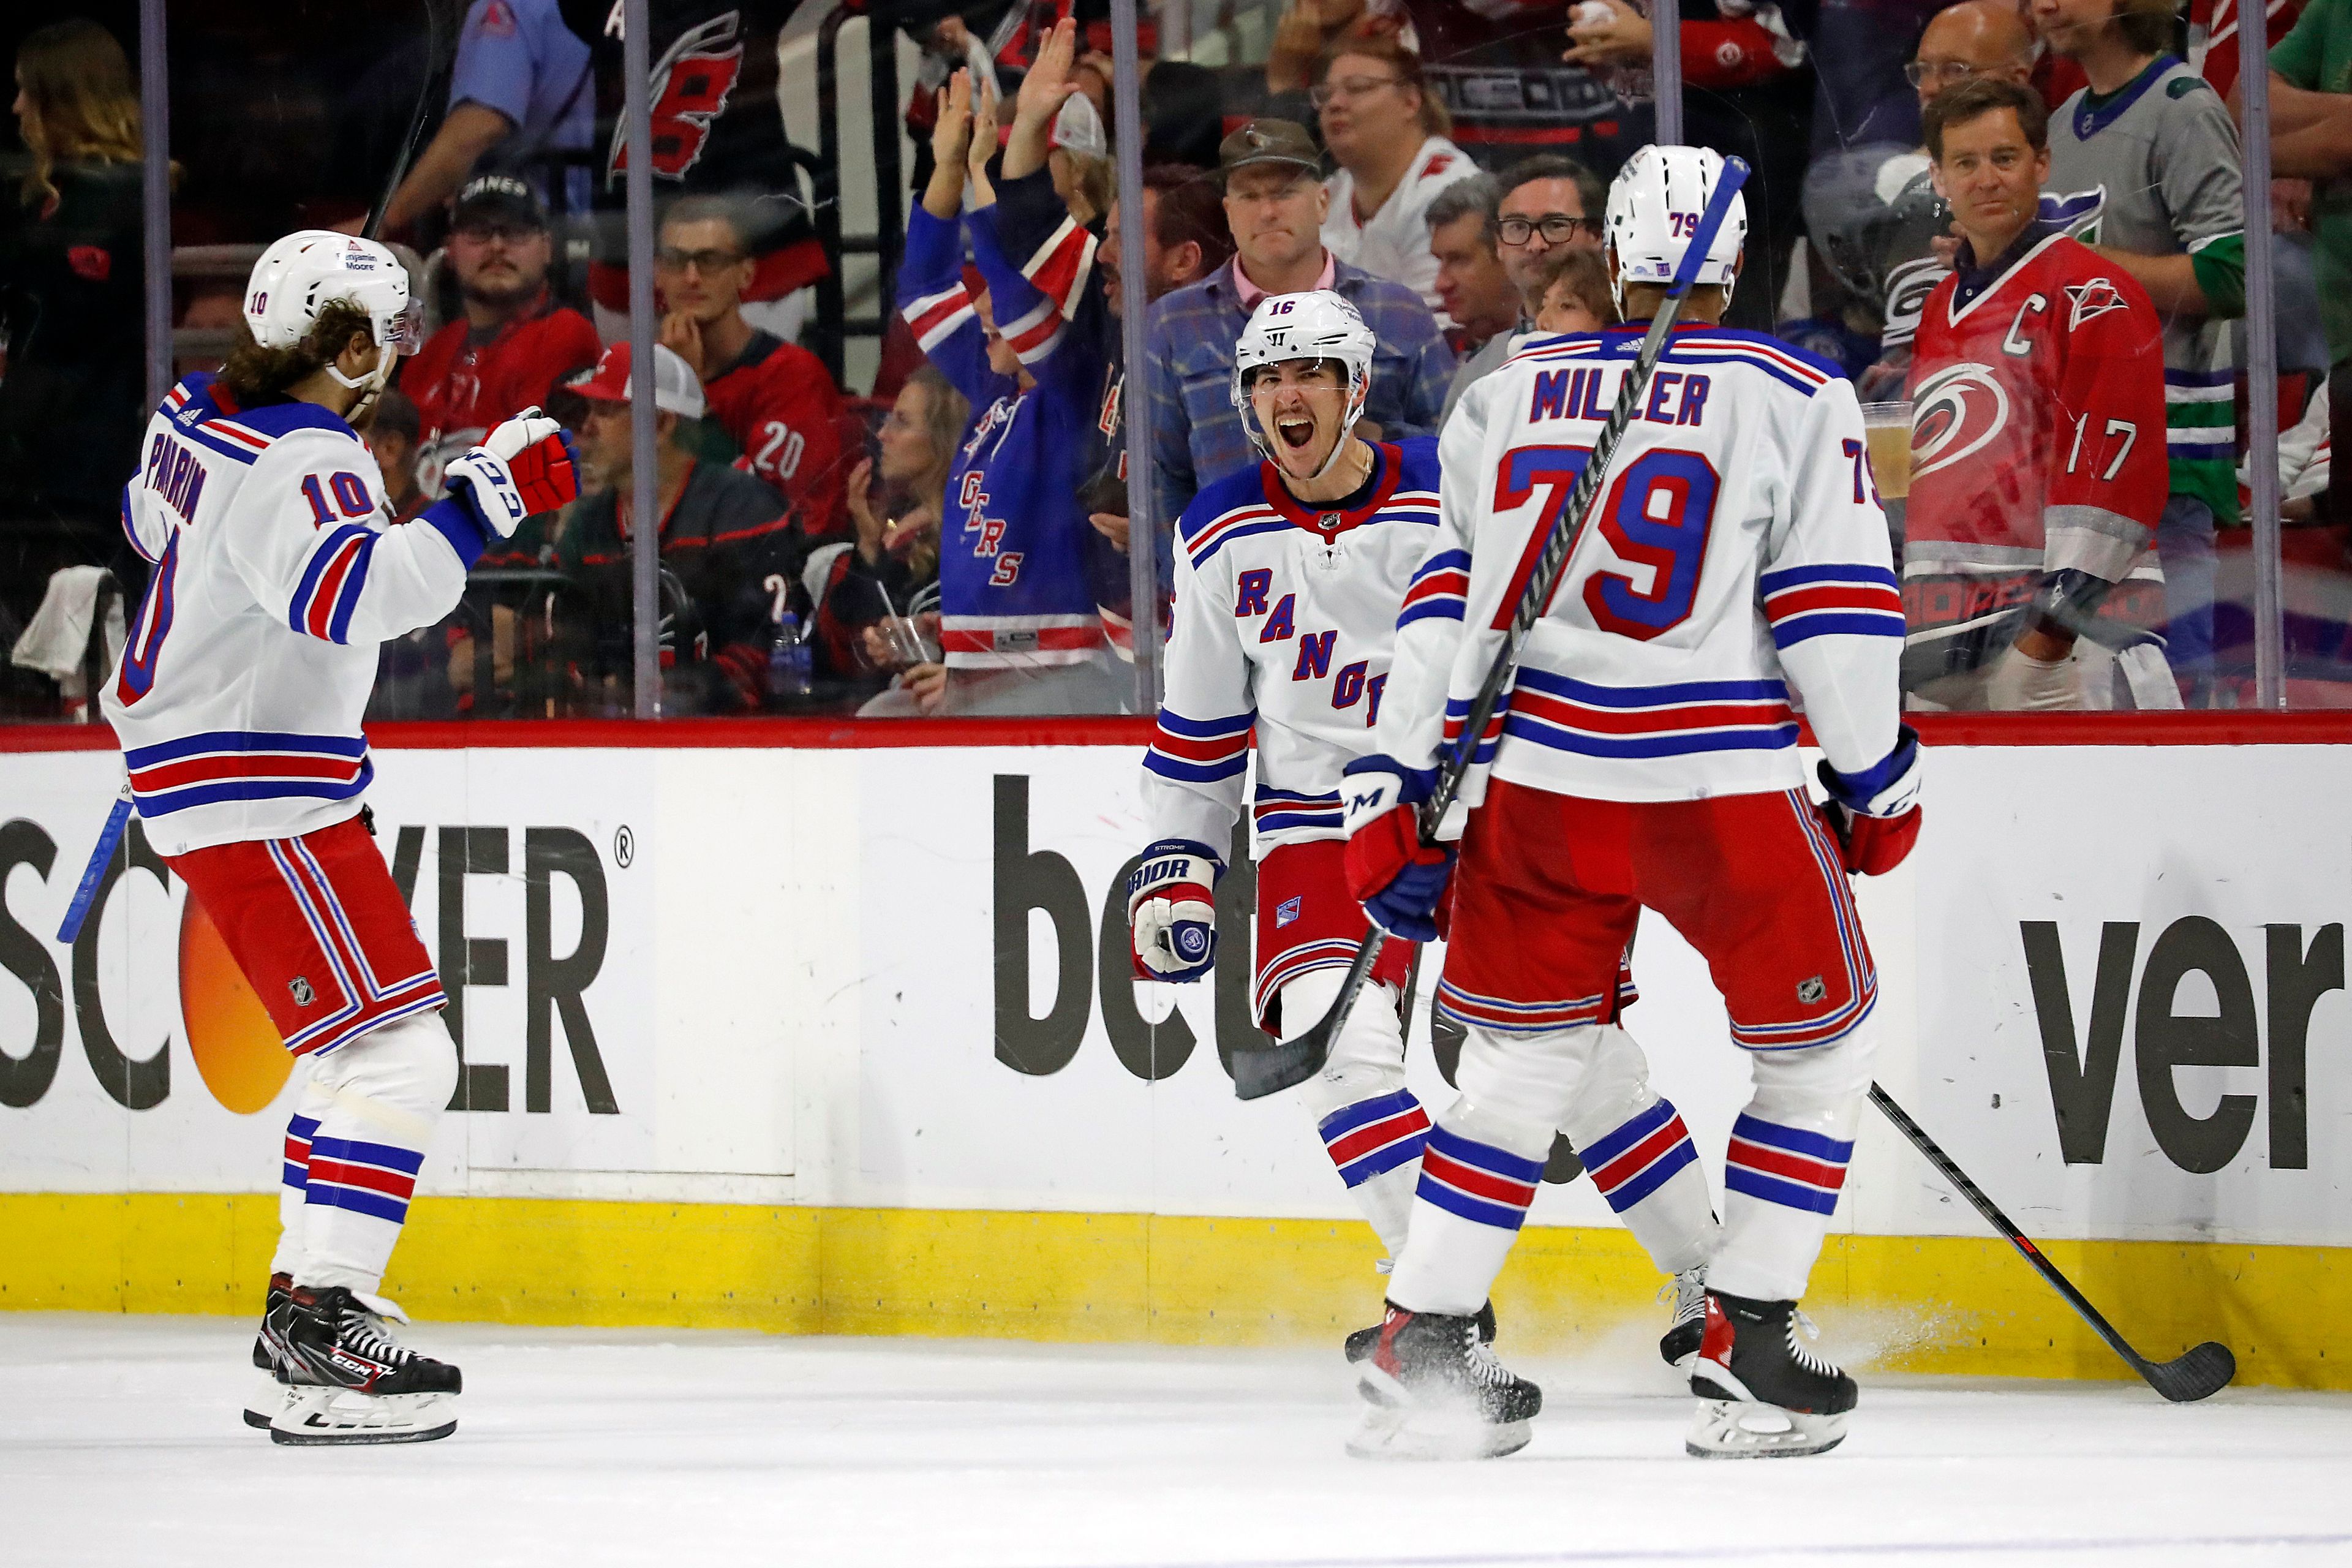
498,196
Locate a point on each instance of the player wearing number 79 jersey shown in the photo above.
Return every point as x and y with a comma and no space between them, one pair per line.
1735,574
277,573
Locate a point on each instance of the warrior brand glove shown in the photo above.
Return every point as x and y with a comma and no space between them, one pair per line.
1171,910
526,465
1399,880
1875,813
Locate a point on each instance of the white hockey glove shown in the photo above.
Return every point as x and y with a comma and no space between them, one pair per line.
525,465
2021,684
1171,910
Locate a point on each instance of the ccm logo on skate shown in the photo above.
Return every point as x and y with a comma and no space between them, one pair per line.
236,1049
2173,1026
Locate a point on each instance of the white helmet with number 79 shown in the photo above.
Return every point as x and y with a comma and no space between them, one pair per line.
1318,325
310,269
1652,214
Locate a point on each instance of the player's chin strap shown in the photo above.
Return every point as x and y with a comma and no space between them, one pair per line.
369,386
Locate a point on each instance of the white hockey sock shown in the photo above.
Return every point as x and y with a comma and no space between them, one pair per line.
294,1176
383,1092
1641,1157
1478,1174
1787,1162
1373,1127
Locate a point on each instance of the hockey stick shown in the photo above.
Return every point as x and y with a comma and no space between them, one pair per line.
440,49
110,836
1272,1068
2193,1374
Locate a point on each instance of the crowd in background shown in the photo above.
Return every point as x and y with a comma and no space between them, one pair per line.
944,528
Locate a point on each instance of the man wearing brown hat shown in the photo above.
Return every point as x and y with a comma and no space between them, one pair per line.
1276,204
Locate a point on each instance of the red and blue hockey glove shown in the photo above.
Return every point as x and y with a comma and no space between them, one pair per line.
1399,880
525,465
1171,910
1875,813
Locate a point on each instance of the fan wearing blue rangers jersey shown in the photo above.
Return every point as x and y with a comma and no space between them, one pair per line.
1018,619
278,574
1291,578
1735,573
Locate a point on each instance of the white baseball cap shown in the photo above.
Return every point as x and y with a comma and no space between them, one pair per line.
676,389
1079,129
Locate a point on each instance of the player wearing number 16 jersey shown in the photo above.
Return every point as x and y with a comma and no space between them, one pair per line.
1736,572
277,573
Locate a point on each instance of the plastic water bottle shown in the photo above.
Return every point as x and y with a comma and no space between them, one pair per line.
791,663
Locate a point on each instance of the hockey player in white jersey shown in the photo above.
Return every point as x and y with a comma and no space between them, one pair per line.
1291,580
1736,572
238,703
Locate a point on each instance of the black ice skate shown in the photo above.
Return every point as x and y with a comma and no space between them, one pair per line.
271,1397
1678,1346
1365,1341
1763,1394
1436,1391
350,1381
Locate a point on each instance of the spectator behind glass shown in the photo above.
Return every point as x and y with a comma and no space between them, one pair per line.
2310,141
1275,205
73,397
775,399
2143,167
877,602
1476,290
1019,615
1548,203
1388,135
2034,346
1184,114
523,88
723,535
514,345
1575,292
1872,211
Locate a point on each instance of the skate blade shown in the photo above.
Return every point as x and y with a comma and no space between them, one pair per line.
1743,1429
1397,1426
267,1402
320,1417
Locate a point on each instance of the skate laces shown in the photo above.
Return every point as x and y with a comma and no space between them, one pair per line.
1687,1292
365,1332
1801,1347
1479,1361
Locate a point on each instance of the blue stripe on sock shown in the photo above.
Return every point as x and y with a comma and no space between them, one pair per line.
1360,1170
295,1177
1476,1210
1630,1192
1772,1134
407,1162
1772,1190
358,1200
1364,1112
1636,1127
1484,1157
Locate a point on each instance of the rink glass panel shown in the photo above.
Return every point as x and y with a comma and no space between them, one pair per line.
532,640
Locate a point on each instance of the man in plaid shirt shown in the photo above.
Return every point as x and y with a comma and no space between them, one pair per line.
1274,202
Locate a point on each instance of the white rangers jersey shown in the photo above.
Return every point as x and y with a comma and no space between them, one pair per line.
277,573
1284,617
1735,574
1393,243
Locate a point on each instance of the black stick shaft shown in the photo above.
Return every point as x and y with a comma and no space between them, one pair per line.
2000,1222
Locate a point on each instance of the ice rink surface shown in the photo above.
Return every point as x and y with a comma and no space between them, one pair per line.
120,1443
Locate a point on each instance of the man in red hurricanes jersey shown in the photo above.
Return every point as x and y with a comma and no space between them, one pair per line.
2038,466
774,398
515,344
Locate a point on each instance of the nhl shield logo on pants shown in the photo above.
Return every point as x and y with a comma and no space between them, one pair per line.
1810,990
304,996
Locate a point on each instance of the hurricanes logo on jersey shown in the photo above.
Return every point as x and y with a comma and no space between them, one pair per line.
2095,297
1954,412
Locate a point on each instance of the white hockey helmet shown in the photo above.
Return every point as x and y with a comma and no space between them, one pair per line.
310,269
1654,204
1318,325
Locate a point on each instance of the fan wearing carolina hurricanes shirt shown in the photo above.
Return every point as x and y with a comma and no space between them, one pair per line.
774,398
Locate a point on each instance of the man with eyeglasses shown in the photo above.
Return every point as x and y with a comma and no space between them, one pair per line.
773,398
1550,202
1389,135
513,345
1872,211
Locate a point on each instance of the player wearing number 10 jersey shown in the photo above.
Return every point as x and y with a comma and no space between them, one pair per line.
238,702
1735,574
